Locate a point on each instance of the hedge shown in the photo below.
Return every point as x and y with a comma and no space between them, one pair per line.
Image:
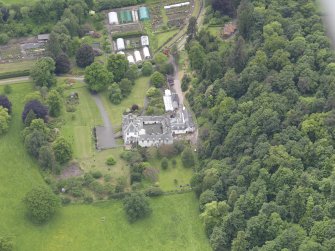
129,34
109,4
14,74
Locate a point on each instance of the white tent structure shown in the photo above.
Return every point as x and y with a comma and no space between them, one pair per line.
112,17
145,40
138,57
146,52
130,59
120,44
176,5
168,101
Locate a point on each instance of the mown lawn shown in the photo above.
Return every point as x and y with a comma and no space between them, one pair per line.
173,176
78,127
174,224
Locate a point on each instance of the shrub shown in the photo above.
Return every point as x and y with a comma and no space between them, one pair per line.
55,103
88,199
40,110
62,149
147,68
65,201
88,179
157,79
107,177
185,82
6,243
153,192
96,174
206,197
7,89
5,103
174,163
165,163
41,204
4,120
4,38
110,161
42,72
46,157
134,107
62,64
187,158
136,207
85,56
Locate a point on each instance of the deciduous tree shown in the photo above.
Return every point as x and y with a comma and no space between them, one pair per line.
41,204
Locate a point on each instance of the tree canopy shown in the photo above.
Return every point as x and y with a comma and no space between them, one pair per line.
266,147
136,207
42,72
97,77
41,204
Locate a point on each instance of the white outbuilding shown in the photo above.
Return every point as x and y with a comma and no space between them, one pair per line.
130,59
176,5
135,15
145,40
167,98
121,53
120,44
146,52
112,17
138,57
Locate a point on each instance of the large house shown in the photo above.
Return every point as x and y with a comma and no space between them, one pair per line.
146,131
181,122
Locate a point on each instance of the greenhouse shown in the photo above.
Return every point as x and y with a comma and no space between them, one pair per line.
143,13
125,16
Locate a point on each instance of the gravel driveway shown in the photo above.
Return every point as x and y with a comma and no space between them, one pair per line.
105,133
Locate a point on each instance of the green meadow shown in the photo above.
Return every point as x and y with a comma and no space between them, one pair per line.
174,224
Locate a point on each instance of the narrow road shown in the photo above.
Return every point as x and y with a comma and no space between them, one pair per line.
177,81
105,133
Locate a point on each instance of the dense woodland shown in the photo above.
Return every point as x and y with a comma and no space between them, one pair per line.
264,101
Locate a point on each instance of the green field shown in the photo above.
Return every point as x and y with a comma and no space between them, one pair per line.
172,226
166,178
17,66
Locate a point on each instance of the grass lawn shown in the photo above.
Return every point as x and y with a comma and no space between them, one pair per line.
17,66
166,178
136,96
78,131
79,124
174,224
215,31
165,36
